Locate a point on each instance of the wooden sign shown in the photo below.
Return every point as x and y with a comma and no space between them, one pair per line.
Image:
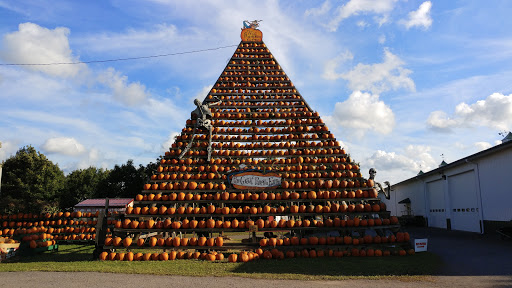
254,179
251,35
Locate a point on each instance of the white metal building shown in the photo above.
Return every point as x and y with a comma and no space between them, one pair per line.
471,194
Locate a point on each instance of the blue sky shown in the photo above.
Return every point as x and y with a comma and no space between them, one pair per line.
400,83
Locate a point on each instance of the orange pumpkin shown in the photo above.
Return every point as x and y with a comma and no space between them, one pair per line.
232,258
127,242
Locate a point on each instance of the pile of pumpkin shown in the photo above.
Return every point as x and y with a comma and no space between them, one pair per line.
45,229
236,224
246,256
163,256
7,240
42,239
302,179
248,196
13,221
314,253
401,237
165,242
253,210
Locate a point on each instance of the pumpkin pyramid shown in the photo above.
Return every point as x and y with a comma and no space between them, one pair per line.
258,121
254,156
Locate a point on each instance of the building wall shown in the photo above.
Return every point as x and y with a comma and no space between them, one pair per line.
411,190
495,185
480,185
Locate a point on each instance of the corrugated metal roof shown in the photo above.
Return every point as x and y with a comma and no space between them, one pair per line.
115,202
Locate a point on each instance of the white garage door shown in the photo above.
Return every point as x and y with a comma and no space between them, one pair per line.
464,212
436,203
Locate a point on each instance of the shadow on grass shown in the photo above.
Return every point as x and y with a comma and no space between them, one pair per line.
418,264
65,253
79,258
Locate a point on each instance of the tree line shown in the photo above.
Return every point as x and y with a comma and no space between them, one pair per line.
31,183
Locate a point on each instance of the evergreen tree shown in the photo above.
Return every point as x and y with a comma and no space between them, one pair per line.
30,182
82,184
125,181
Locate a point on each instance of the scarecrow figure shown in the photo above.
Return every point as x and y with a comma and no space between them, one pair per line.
386,191
203,116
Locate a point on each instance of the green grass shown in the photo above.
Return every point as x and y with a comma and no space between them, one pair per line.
78,258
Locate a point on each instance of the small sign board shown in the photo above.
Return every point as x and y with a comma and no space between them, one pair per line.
420,245
254,179
251,35
253,228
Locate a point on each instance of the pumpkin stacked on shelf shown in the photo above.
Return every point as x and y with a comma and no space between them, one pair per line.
42,232
262,126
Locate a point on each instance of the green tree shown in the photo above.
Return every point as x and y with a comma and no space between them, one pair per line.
82,184
125,181
30,182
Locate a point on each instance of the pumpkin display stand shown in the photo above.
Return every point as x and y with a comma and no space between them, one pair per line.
254,157
44,232
8,250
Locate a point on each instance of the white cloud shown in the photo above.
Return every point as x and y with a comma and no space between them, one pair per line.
165,110
333,64
8,149
35,44
377,78
382,39
91,159
362,24
460,146
422,155
64,145
322,10
494,112
363,112
130,94
170,140
440,121
201,95
381,20
412,159
356,7
132,39
389,160
419,18
344,145
53,120
13,8
482,145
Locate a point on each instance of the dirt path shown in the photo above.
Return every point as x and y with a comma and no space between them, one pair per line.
104,280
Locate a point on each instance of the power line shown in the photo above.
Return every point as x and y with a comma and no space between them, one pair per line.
118,59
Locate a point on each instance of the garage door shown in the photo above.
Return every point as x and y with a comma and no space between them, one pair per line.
464,212
436,203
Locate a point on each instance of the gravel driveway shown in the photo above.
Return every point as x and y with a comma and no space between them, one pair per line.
468,254
93,279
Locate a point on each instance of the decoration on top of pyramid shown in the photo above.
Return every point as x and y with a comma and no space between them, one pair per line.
250,33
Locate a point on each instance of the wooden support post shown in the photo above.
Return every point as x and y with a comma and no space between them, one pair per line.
101,231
